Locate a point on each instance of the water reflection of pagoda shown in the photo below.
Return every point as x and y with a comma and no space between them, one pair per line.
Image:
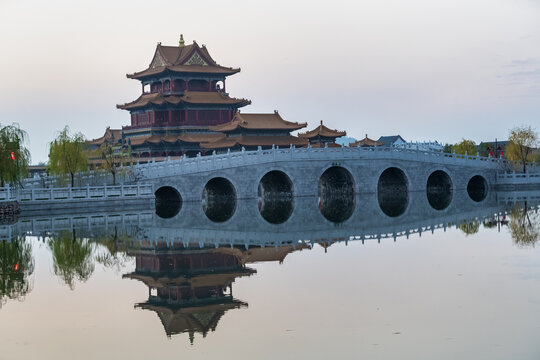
189,287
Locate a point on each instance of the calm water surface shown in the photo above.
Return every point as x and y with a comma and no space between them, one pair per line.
278,278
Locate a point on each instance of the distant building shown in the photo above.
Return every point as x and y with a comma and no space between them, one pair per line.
394,140
366,142
322,136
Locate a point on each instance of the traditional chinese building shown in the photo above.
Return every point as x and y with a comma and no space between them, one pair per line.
253,130
189,287
183,93
367,142
322,136
184,109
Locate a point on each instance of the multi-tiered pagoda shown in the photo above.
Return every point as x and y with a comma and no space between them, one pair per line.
184,109
183,93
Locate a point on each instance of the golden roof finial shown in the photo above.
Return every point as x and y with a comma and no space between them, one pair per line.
181,42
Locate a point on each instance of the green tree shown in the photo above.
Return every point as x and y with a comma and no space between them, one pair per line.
524,226
67,154
72,258
522,142
14,156
467,146
113,156
447,148
16,266
470,228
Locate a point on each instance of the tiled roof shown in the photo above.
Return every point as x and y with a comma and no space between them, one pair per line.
174,58
367,142
258,122
190,97
110,134
322,130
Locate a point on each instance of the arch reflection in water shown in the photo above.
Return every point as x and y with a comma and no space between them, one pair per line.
168,202
439,190
393,192
275,194
336,194
219,199
477,188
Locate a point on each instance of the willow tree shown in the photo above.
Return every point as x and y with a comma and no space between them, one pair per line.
14,156
16,266
72,258
524,226
522,143
67,154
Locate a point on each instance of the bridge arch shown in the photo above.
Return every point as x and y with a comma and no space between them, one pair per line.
336,193
393,191
219,199
168,201
275,193
439,189
477,188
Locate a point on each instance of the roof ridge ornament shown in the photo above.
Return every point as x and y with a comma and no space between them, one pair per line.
181,42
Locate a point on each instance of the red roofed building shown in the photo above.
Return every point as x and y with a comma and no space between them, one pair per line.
183,94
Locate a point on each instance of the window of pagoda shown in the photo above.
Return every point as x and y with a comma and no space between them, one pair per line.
179,85
199,85
166,85
156,87
145,88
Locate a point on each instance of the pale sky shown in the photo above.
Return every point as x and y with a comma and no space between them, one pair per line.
425,69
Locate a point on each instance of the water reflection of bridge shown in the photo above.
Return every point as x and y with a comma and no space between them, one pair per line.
247,227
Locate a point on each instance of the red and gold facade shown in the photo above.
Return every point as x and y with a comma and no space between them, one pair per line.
183,94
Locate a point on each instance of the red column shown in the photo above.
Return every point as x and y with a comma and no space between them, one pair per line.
170,117
185,116
197,116
224,90
220,116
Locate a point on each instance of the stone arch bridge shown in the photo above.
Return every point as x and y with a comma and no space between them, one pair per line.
318,171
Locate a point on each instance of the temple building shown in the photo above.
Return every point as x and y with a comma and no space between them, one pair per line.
322,136
190,287
249,131
366,142
184,109
183,93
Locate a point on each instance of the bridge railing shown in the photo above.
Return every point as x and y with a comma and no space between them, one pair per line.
518,178
7,193
243,158
77,193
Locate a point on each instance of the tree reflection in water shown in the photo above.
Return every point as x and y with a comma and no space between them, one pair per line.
470,228
524,226
16,265
72,258
112,253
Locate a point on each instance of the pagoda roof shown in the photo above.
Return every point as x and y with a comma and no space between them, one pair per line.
258,122
254,140
195,280
182,59
367,142
322,130
201,319
189,97
113,135
319,145
171,139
